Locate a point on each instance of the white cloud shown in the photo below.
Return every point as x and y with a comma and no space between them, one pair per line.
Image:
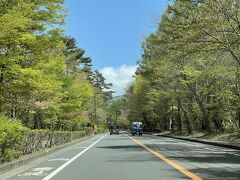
120,77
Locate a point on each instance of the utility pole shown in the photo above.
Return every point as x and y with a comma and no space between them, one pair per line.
171,119
95,113
95,108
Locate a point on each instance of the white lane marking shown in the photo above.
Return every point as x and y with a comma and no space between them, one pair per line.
71,160
37,172
59,159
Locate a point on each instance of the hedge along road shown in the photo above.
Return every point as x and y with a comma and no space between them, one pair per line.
126,157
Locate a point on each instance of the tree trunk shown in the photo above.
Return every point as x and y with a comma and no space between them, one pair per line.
238,116
205,117
37,120
186,116
237,58
179,114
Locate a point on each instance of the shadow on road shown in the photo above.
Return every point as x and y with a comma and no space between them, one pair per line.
215,165
124,147
130,153
215,174
115,137
211,159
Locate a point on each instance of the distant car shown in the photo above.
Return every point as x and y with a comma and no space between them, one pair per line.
137,128
114,129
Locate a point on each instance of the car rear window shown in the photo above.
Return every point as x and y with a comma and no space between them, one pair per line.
114,127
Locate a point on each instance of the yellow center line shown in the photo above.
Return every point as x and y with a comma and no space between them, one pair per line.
170,162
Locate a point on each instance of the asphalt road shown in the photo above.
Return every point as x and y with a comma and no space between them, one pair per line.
123,157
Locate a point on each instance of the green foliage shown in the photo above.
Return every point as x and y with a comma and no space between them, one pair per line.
45,79
12,138
17,140
47,132
88,130
114,111
46,82
188,78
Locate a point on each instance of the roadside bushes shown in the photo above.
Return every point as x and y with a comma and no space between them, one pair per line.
12,138
40,139
102,128
88,130
17,140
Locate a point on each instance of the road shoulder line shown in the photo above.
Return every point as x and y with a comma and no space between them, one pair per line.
168,161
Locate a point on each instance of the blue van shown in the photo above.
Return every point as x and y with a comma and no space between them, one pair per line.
137,128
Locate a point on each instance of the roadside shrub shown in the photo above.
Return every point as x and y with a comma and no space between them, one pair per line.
12,138
17,140
40,139
88,130
82,133
102,130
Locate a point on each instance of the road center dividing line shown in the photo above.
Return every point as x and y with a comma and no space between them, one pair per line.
170,162
71,160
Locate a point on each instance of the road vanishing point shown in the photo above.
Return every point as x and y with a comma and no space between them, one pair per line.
126,157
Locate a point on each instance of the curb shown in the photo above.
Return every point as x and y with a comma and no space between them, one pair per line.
7,167
214,143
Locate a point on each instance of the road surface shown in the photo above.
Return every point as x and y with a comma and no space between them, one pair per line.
126,157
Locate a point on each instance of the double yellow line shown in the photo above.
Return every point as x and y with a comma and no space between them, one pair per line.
170,162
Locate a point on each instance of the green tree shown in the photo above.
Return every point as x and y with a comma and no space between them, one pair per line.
44,76
190,68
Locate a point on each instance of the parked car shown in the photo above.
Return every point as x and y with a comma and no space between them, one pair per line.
114,129
137,128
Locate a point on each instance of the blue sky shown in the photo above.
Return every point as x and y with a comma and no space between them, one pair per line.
112,31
